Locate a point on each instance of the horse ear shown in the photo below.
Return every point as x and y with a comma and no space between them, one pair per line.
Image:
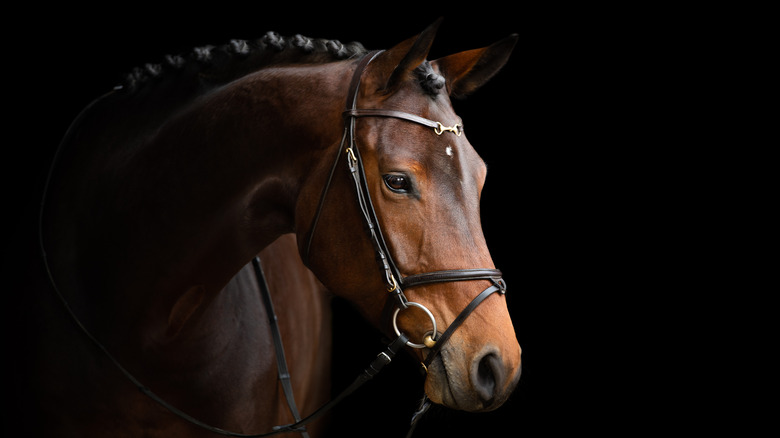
392,66
469,70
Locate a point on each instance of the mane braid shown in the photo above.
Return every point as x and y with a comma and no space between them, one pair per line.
217,65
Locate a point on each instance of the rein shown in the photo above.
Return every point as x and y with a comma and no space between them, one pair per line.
394,281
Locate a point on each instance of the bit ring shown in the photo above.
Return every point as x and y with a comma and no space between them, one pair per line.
424,309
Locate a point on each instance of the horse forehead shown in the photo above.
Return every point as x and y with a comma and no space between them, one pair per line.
438,155
421,151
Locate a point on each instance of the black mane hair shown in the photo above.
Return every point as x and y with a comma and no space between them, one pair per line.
216,65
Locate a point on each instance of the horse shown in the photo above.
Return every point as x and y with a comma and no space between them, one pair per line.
344,169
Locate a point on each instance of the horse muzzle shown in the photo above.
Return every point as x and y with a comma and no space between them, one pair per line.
482,383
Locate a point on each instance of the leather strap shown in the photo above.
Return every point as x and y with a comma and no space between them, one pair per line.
425,404
438,127
498,286
391,274
281,360
368,373
354,84
451,275
391,113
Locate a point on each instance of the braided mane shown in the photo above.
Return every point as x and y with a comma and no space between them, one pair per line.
217,65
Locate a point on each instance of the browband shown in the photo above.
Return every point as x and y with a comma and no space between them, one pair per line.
438,127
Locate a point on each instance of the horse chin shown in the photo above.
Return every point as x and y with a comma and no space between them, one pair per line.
448,383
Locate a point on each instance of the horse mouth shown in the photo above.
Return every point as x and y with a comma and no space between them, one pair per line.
443,384
441,370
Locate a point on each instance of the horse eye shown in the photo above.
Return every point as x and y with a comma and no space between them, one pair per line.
397,183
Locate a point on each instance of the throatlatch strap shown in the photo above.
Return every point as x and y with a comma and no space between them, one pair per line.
351,99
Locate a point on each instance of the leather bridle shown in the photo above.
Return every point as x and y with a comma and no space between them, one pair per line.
392,278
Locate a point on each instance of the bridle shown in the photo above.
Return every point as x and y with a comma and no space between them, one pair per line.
394,282
391,276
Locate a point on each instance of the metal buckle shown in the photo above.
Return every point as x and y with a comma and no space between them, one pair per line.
393,285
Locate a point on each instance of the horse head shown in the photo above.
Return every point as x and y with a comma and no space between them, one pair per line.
422,180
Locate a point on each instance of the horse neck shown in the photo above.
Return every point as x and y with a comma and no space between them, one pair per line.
158,206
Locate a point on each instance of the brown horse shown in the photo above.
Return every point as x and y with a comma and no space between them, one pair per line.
195,166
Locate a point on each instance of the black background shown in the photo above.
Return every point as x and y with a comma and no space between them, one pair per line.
583,201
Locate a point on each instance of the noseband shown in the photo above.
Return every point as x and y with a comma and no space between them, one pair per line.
391,275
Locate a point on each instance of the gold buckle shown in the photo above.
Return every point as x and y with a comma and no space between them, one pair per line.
394,285
351,154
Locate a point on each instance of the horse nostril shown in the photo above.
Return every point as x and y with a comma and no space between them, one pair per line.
488,371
